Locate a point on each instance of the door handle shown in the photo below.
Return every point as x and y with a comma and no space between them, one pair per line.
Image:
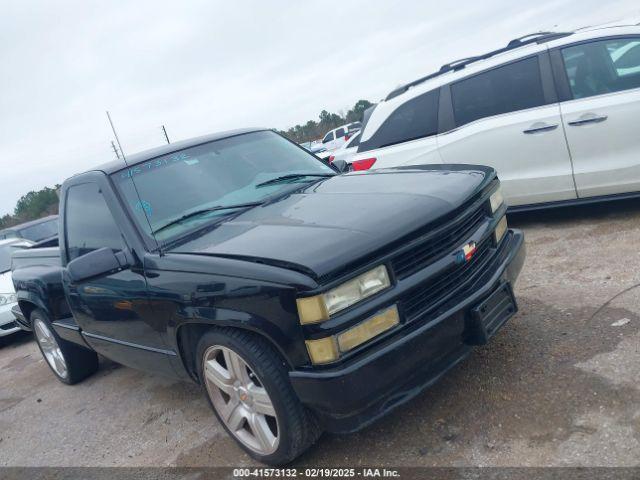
586,121
540,128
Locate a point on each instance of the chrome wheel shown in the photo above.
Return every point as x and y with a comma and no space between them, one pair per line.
240,399
50,348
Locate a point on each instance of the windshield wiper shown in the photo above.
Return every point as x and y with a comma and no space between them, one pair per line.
292,176
202,211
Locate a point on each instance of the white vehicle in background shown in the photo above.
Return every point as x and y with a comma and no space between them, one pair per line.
556,114
8,298
313,147
338,136
347,150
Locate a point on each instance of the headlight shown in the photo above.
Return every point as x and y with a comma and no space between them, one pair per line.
496,200
6,298
321,307
501,229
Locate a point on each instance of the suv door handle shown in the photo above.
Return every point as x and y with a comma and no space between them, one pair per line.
586,121
539,128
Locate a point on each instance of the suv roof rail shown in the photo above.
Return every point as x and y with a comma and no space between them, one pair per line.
539,37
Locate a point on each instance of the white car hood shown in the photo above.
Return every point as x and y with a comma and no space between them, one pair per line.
6,284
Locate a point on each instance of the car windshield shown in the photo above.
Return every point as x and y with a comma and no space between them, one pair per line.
40,231
174,194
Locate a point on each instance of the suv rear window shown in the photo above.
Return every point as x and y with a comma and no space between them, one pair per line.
512,87
417,118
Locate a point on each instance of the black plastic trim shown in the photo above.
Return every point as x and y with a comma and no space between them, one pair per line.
446,121
129,344
573,202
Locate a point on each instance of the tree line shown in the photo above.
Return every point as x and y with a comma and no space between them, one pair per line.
32,206
315,130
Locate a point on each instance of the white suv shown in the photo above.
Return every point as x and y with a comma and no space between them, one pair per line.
556,114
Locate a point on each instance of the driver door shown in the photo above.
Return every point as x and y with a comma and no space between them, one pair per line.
112,310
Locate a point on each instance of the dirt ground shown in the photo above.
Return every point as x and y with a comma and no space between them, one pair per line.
559,385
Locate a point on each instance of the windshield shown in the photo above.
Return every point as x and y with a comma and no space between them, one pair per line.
38,232
182,190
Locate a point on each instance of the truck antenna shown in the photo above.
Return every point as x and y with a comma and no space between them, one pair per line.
164,130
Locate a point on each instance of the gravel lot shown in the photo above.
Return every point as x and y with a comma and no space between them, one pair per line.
559,385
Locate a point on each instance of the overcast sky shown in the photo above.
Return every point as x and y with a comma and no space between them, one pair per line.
205,66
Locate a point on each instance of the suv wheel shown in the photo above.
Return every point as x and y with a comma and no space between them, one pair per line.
69,362
247,384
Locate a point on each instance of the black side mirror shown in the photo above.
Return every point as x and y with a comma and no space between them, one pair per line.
99,262
341,165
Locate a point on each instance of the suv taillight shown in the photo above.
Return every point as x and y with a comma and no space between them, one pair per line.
364,164
347,137
331,158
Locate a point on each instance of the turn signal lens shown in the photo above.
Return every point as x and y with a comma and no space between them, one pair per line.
365,164
312,310
501,229
496,200
369,329
323,350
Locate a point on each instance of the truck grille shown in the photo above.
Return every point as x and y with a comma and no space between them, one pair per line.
444,241
434,292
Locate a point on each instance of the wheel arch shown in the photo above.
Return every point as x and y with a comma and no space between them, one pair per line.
27,306
188,335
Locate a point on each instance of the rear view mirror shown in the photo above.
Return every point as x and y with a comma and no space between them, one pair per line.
99,262
341,165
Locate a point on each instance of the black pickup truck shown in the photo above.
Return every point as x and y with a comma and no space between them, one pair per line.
301,298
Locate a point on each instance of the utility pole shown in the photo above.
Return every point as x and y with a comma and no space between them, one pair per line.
115,134
115,149
164,130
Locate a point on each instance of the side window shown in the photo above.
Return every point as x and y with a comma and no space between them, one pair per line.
89,224
512,87
604,66
328,137
416,118
340,133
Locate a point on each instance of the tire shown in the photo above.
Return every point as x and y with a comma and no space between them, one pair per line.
241,400
70,363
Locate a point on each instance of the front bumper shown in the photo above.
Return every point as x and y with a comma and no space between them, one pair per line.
349,397
8,324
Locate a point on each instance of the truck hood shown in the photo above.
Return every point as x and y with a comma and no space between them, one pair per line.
337,222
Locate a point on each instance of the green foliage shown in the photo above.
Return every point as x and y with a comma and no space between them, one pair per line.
32,206
313,130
